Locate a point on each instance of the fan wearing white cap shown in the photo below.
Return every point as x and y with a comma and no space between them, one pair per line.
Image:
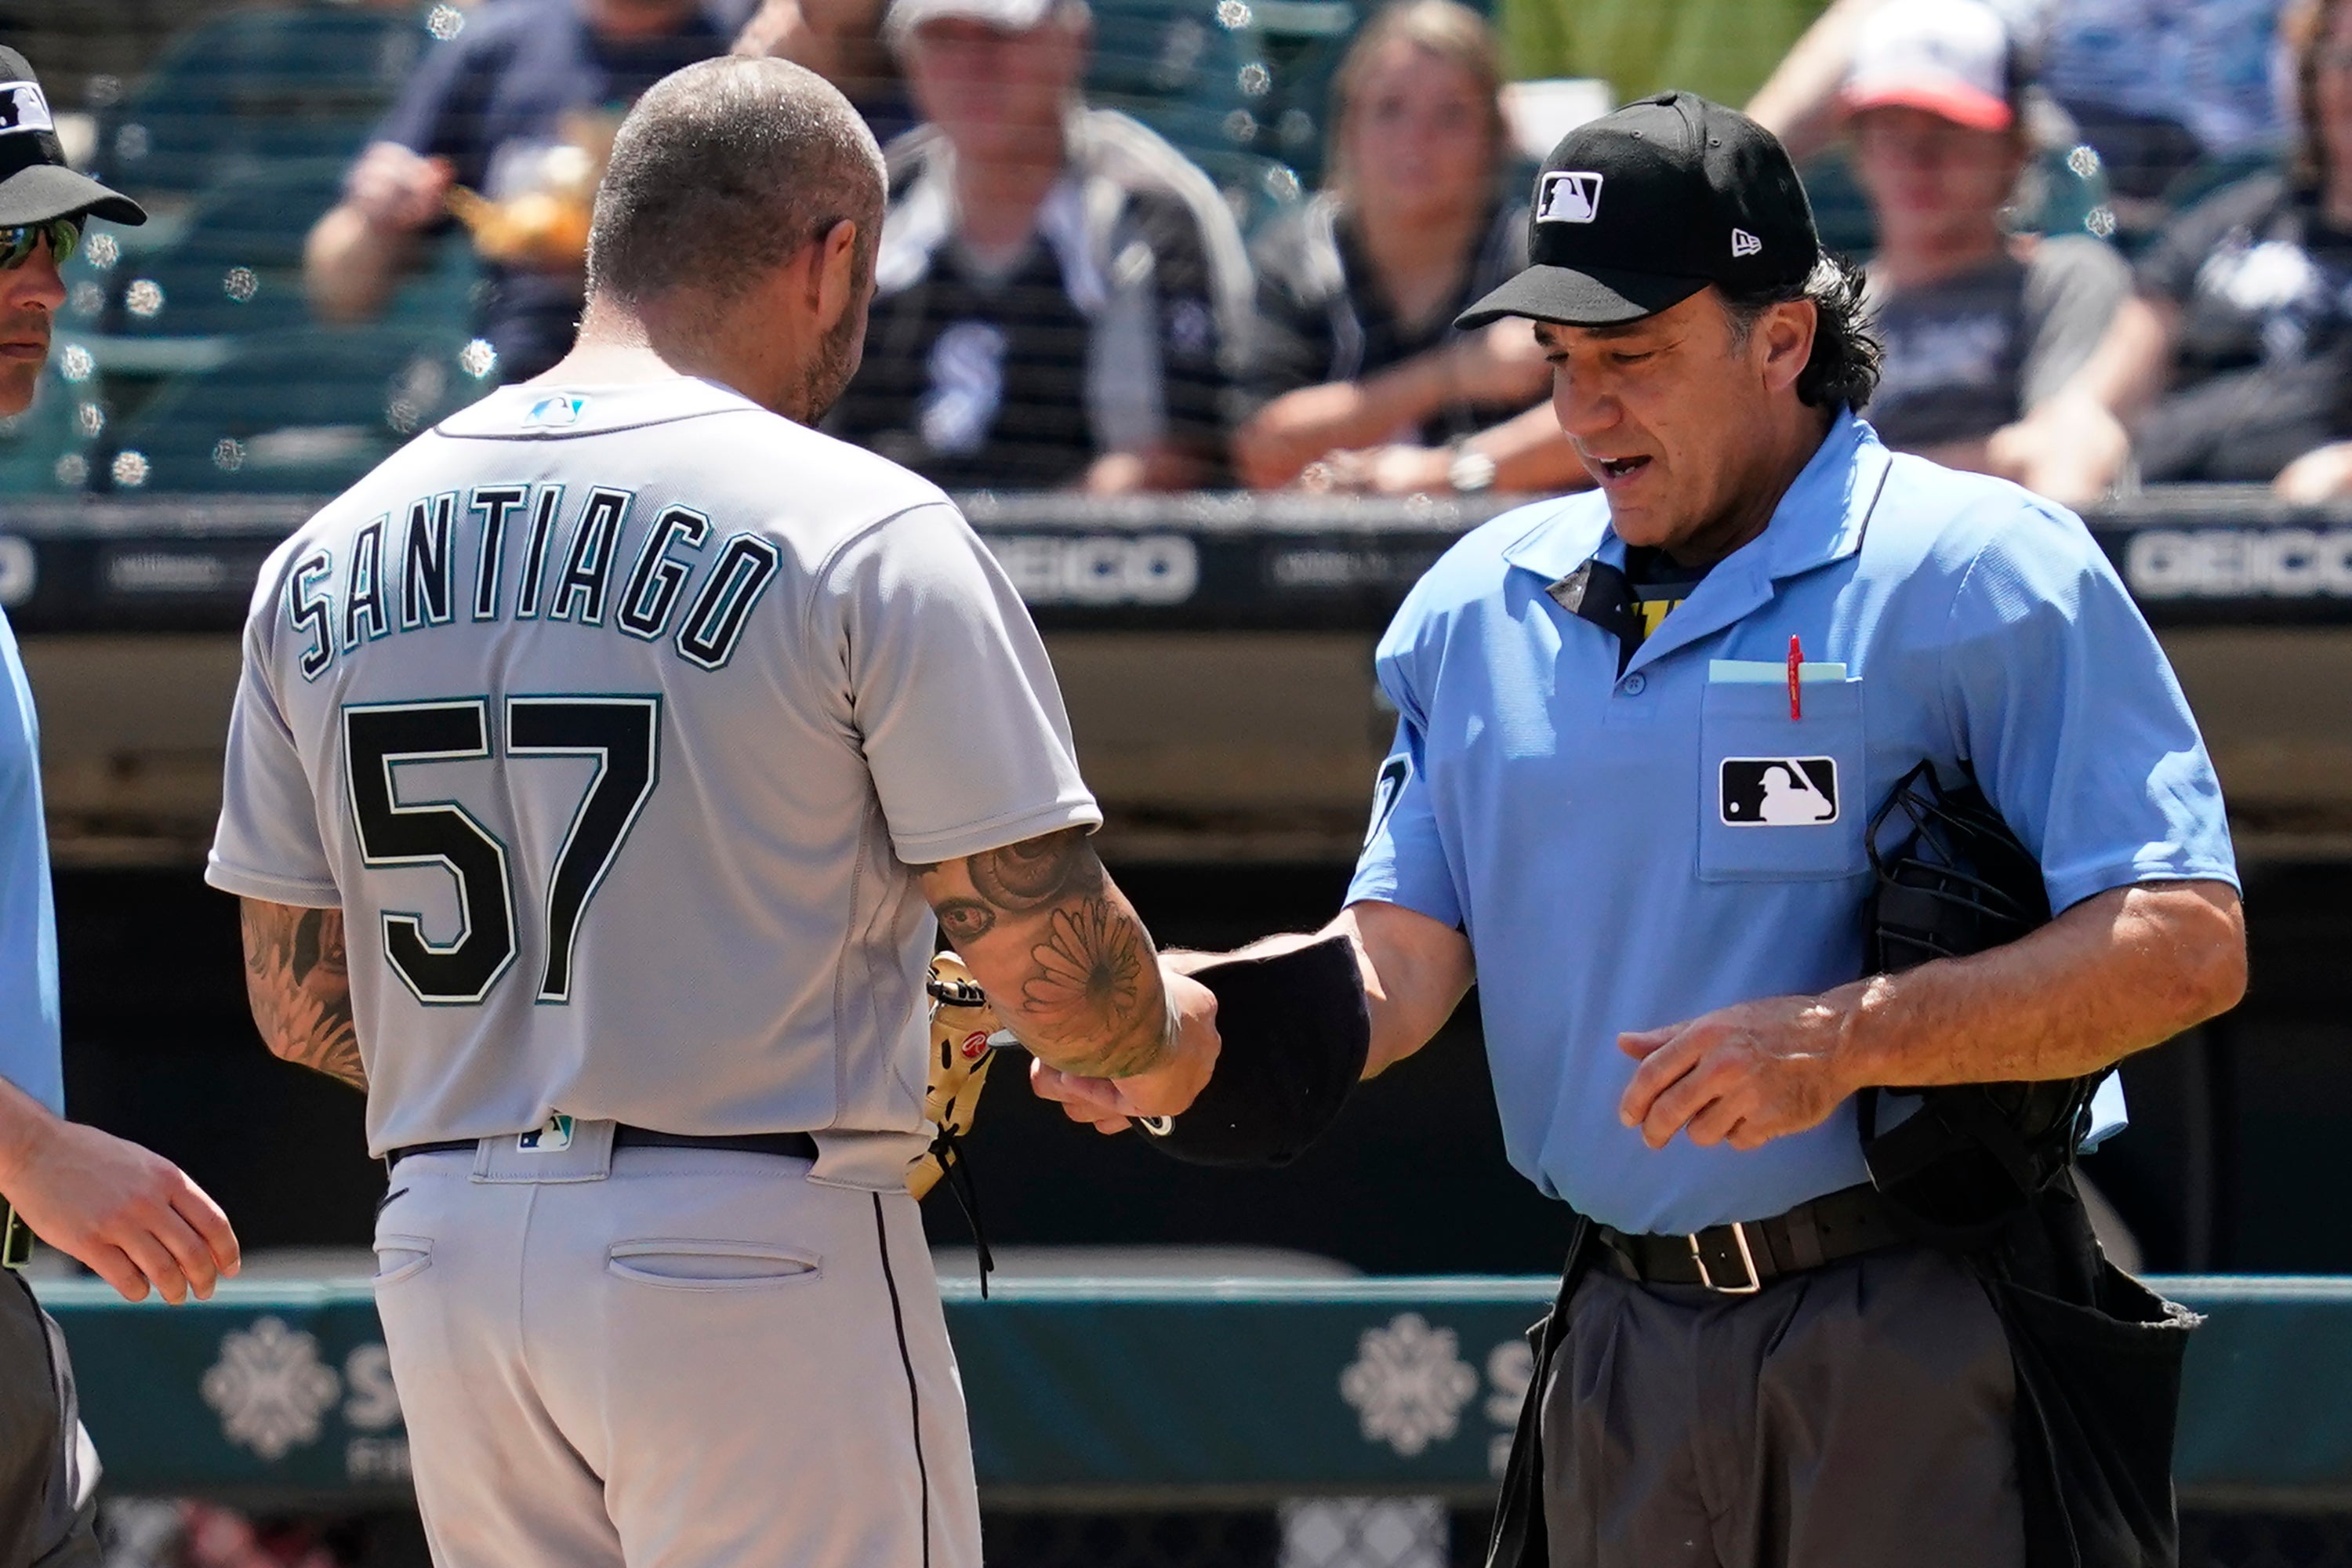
1979,325
1059,290
130,1216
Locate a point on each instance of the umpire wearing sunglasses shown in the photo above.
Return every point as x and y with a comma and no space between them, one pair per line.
129,1215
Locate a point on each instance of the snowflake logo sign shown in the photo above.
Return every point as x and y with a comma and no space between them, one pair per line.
1408,1383
270,1387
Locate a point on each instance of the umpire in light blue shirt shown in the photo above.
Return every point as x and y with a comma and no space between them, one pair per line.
1643,730
129,1215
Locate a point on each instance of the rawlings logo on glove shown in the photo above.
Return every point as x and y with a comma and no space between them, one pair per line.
964,1042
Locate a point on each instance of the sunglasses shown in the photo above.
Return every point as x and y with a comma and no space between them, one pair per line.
17,241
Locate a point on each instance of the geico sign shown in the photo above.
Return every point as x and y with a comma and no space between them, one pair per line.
1099,568
2240,562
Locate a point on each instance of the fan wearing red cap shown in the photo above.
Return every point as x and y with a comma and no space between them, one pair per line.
1978,326
129,1215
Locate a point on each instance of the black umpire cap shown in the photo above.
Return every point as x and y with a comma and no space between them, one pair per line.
36,183
1639,210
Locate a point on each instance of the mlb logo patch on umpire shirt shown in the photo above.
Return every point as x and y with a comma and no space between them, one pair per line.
1778,792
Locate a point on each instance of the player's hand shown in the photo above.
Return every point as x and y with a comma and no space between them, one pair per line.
395,190
131,1216
1743,1074
1108,1104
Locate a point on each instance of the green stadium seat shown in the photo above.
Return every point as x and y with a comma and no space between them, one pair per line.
2209,175
302,411
1181,67
234,265
250,87
41,450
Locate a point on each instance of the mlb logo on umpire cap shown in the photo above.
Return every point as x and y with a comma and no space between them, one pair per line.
22,108
1568,196
1778,792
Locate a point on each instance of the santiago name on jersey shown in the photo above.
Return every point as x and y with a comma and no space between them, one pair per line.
612,718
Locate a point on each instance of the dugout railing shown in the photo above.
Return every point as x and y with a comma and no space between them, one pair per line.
1215,650
1207,1423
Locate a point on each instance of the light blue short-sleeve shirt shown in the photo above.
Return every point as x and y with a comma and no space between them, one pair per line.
30,1054
1612,843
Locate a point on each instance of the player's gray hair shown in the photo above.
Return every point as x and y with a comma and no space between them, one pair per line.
725,170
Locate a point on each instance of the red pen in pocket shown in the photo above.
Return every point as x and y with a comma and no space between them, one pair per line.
1796,688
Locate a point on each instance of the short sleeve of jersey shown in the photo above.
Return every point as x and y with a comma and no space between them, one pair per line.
2073,721
950,691
268,845
30,1051
1403,860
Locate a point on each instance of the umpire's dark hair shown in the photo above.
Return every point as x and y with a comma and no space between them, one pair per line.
725,170
1843,366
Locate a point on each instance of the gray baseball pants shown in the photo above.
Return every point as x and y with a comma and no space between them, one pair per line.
46,1470
1856,1416
670,1358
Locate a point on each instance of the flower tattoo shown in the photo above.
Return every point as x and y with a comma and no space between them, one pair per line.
1088,971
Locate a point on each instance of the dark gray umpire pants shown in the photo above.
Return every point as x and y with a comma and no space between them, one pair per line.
1856,1416
45,1519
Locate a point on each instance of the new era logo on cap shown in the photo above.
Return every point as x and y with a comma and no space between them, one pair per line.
22,108
1744,242
1568,196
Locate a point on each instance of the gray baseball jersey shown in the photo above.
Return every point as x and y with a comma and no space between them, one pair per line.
612,719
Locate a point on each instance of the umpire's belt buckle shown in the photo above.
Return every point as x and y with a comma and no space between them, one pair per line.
1749,1283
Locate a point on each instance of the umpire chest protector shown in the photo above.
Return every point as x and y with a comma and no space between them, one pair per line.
1951,879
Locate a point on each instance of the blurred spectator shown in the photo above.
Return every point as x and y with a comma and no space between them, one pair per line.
2233,361
518,108
1721,49
1358,290
1356,353
1056,286
841,40
2154,86
1979,326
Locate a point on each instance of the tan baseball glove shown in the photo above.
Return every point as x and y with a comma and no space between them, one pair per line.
963,1027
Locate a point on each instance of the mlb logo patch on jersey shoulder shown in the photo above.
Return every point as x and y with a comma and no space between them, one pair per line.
1568,196
557,412
1778,792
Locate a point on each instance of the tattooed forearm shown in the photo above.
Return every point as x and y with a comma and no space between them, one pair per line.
1060,951
300,988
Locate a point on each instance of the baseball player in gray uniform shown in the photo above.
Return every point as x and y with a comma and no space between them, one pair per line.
634,732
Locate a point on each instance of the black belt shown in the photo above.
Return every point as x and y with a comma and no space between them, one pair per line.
1741,1258
792,1145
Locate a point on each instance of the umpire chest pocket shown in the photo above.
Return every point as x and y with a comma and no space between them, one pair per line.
1780,797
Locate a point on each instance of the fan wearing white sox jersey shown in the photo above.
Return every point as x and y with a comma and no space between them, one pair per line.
603,769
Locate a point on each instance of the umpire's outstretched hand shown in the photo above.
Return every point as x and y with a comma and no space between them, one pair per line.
132,1216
